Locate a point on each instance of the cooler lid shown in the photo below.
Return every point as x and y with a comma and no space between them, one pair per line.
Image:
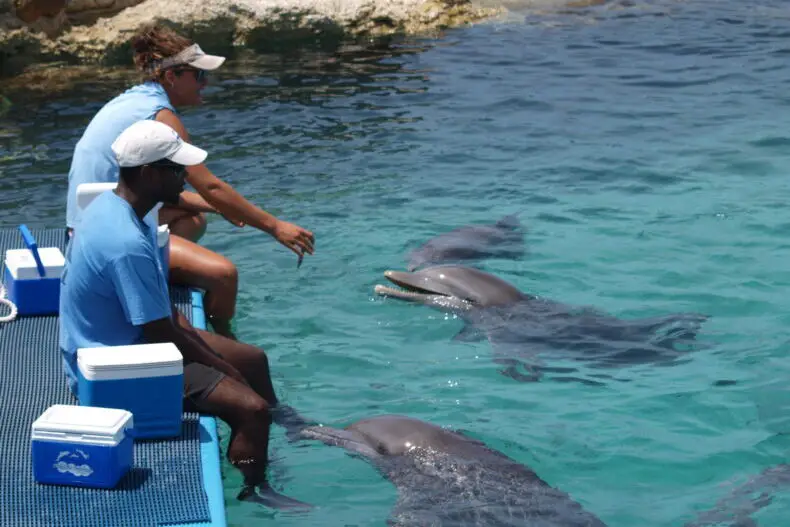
92,422
51,257
137,356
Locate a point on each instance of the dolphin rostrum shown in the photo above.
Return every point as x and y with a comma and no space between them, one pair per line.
521,326
503,239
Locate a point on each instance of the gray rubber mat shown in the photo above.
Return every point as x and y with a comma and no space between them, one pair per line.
165,484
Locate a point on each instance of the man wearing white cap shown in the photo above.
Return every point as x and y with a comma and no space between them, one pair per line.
114,293
175,70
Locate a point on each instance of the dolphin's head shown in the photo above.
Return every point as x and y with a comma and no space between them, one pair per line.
395,435
451,286
389,435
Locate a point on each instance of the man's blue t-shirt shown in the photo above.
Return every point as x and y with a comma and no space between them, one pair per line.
112,283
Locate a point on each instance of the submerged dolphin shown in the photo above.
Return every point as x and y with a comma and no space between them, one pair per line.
446,478
520,326
503,239
744,500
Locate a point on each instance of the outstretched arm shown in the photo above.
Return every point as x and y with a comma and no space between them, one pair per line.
231,204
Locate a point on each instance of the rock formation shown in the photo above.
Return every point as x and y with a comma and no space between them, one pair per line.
98,31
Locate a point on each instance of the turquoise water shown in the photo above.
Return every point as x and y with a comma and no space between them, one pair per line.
645,148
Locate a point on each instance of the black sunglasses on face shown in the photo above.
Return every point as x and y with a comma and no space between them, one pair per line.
178,170
200,75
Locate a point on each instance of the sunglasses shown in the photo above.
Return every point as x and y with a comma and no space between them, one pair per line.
200,75
178,170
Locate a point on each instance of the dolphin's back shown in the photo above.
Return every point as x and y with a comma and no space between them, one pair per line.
503,239
444,477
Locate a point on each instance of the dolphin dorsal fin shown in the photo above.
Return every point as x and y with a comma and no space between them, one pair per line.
510,221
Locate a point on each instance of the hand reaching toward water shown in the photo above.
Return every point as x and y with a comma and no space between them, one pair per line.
296,238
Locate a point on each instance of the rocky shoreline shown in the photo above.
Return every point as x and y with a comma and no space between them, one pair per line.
85,32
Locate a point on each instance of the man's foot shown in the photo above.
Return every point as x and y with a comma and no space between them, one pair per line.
265,495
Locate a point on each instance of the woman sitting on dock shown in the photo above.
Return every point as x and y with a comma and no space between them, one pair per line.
175,73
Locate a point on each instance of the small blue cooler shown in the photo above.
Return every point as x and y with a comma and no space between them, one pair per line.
81,446
32,277
145,379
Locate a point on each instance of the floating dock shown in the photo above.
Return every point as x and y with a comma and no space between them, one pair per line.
172,482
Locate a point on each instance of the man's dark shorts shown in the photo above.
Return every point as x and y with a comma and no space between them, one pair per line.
199,381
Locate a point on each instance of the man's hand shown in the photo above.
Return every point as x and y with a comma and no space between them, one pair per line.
296,238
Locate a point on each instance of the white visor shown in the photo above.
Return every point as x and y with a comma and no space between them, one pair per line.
195,57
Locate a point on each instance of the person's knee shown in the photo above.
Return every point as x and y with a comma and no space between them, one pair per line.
260,415
228,272
261,362
222,271
199,220
247,414
191,226
255,410
198,225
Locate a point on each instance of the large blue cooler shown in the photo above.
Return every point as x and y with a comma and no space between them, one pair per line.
32,277
145,379
81,446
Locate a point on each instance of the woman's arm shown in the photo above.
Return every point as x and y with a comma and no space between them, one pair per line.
192,202
231,204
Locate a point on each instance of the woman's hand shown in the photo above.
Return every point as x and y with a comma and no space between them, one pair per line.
296,238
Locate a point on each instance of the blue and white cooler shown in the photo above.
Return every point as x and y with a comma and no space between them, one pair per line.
145,379
32,277
81,446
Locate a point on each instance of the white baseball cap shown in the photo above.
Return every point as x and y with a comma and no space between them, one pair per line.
195,57
147,141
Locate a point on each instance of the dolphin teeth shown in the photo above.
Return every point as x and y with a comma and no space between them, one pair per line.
398,293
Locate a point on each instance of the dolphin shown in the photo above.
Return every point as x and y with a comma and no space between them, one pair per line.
503,239
746,499
446,478
520,326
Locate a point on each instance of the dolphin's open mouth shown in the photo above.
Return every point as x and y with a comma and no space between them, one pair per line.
421,289
409,291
